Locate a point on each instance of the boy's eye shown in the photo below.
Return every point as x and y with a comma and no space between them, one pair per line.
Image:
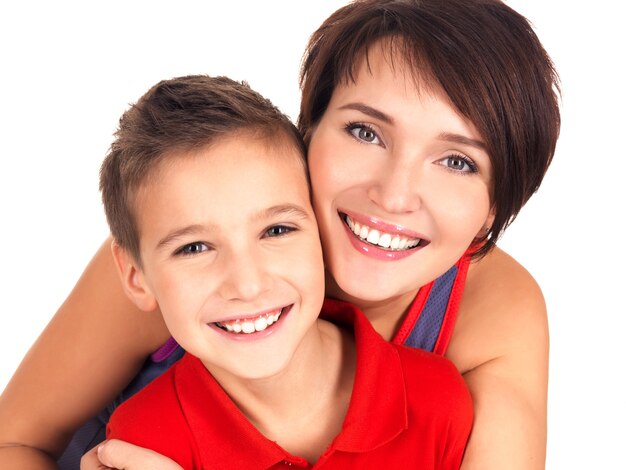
459,163
192,249
363,133
278,231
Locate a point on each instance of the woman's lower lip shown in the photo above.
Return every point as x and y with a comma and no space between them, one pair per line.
375,252
257,335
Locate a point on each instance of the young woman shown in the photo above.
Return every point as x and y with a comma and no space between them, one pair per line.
429,125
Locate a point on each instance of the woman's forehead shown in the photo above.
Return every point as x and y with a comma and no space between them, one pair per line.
397,57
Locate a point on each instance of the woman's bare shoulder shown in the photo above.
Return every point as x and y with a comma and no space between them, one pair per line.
500,344
502,306
499,273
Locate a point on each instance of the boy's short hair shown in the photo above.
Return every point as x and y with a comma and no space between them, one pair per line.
180,115
486,58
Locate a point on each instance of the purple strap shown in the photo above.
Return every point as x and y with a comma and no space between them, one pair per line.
164,351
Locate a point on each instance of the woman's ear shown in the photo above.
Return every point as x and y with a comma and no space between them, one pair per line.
490,218
486,228
133,280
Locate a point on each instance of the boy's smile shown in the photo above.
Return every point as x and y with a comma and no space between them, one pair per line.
231,253
248,325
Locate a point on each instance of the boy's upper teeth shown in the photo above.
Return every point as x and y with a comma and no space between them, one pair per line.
251,325
383,239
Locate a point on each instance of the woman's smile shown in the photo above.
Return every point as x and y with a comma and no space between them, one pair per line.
400,182
382,240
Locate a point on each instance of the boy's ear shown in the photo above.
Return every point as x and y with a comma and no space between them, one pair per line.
133,280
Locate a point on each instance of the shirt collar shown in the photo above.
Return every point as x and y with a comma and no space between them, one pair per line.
377,412
378,408
224,436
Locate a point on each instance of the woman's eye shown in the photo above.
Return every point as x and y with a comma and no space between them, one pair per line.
459,163
278,231
363,133
192,249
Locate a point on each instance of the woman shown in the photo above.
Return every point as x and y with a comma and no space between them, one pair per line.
428,123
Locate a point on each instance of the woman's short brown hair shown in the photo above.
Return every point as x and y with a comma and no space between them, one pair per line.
486,58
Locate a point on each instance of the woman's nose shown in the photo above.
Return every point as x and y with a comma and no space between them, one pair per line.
396,188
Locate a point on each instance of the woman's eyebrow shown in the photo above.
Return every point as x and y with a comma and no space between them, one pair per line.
372,112
463,140
446,136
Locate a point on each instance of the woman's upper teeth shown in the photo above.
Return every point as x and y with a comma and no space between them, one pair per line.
380,238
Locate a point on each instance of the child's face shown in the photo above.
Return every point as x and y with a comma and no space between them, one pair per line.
232,255
398,164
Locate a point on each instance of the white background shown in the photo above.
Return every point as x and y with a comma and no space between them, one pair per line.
69,69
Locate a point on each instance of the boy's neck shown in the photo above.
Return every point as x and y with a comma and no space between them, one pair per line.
303,408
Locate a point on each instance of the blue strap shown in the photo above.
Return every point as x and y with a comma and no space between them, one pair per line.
428,325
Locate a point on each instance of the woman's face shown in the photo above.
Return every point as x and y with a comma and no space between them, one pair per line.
400,181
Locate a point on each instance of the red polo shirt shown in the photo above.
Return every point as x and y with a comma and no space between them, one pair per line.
409,409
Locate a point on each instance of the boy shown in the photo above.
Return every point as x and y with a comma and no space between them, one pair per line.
206,193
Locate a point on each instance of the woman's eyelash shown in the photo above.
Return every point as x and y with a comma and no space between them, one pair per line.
362,132
463,159
365,133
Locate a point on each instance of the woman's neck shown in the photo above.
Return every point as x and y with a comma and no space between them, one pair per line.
385,315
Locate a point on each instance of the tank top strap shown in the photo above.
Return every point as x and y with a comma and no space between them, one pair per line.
431,318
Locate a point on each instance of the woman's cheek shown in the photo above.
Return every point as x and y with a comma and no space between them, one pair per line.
462,216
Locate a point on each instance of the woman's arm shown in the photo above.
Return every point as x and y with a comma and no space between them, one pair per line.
92,347
500,345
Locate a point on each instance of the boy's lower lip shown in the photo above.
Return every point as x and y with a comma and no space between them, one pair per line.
257,335
375,252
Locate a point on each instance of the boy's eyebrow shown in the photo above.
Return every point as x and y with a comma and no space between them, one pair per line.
461,139
372,112
281,209
274,211
181,232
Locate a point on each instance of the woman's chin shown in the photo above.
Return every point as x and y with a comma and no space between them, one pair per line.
364,290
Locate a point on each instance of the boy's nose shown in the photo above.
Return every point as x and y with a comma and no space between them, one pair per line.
245,277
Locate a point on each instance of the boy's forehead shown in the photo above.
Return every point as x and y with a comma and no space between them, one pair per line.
261,145
276,155
272,151
240,172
